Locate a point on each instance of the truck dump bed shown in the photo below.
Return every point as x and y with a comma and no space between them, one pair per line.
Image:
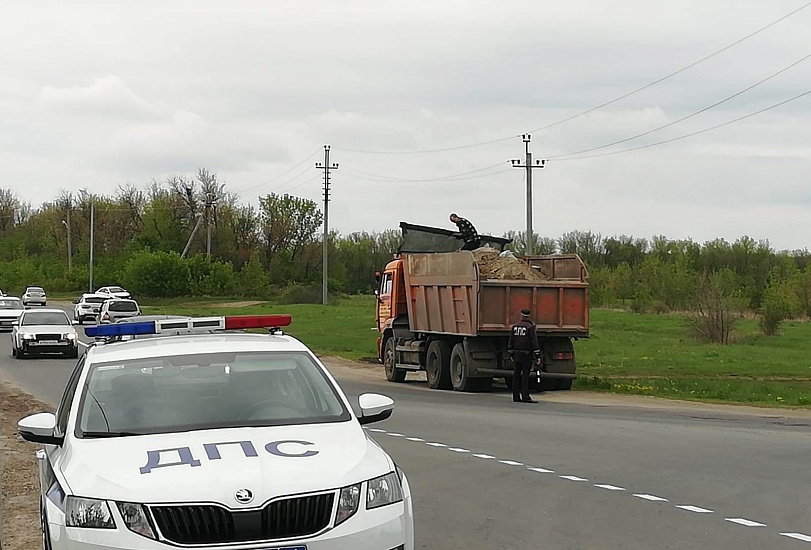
446,295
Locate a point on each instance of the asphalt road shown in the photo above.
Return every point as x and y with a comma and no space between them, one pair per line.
488,473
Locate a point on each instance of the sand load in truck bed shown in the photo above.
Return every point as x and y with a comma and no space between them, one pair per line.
506,268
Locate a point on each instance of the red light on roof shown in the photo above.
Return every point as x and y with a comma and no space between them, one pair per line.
257,321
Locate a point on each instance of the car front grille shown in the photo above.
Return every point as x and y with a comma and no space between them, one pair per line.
41,337
209,524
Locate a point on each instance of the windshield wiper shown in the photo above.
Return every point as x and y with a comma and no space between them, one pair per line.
110,434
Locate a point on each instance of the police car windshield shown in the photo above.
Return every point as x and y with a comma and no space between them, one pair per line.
199,392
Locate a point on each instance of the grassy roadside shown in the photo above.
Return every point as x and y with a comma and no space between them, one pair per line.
642,354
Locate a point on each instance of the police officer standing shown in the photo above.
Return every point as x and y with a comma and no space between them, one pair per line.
523,349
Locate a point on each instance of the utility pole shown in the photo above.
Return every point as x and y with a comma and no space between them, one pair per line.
92,242
516,163
70,246
210,199
191,237
326,167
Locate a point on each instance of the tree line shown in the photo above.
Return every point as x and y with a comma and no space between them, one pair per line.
273,247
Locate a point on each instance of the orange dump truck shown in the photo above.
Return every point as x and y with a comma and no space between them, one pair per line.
435,312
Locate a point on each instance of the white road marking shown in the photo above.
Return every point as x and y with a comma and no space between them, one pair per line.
609,487
415,439
378,430
652,498
436,444
511,463
695,509
745,522
542,470
798,536
574,478
480,455
394,434
458,450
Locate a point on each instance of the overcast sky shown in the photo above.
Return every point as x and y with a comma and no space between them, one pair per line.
95,94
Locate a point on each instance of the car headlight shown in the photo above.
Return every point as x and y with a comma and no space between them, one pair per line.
88,513
383,490
135,519
347,503
69,336
28,336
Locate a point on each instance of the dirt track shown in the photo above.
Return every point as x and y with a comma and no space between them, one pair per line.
18,469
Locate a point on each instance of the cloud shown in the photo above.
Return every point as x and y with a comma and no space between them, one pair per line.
107,97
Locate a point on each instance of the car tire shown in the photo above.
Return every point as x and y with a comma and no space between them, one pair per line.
438,365
458,371
20,354
393,374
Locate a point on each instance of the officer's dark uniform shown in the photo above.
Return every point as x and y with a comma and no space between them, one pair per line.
523,348
468,234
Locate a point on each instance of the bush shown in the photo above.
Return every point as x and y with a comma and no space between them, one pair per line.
715,311
252,280
210,277
157,274
776,308
301,294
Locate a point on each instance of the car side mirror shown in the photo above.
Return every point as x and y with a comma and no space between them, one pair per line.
39,428
374,408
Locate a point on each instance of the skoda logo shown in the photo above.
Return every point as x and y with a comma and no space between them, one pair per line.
243,496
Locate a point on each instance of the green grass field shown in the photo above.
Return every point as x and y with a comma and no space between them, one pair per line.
644,354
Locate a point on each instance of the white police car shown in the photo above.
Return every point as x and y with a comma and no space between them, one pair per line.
215,440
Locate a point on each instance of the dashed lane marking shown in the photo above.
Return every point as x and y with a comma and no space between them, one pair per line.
652,498
695,509
798,536
609,487
745,522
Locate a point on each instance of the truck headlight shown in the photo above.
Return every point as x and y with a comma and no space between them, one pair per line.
135,519
383,490
88,513
348,502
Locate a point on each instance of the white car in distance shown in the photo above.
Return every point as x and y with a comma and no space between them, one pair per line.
88,306
34,295
41,331
114,292
10,310
214,440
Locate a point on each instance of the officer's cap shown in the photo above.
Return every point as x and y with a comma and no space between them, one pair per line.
525,312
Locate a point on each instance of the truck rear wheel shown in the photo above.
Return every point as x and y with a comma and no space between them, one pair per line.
393,374
458,371
438,365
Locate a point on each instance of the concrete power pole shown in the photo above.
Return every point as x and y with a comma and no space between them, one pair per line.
326,167
516,163
209,205
92,243
70,244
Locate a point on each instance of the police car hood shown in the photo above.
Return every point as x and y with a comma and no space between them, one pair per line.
212,465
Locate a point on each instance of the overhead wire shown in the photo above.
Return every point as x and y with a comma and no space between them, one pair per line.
682,119
276,177
691,134
380,177
598,107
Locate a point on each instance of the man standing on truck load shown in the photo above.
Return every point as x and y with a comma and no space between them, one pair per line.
467,233
523,348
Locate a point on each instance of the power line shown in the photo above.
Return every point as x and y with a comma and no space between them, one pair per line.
268,182
600,106
705,109
383,178
727,123
674,73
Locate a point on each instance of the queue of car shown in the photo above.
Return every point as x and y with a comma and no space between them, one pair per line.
220,439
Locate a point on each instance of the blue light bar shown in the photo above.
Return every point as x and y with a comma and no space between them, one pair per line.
121,329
